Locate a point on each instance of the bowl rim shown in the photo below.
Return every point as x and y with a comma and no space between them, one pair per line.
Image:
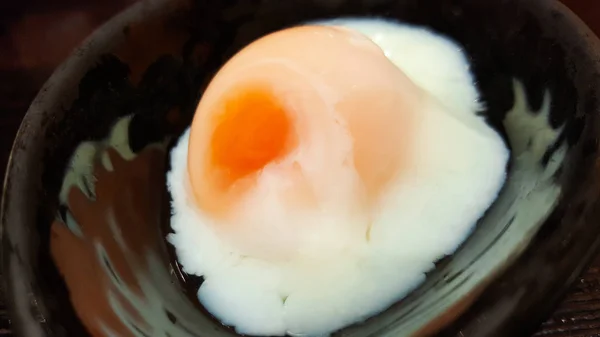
480,314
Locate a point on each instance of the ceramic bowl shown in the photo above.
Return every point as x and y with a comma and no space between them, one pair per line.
85,209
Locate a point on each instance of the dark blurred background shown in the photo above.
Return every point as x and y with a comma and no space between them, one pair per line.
37,35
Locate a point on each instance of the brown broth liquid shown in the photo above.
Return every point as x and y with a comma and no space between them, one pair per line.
110,247
110,244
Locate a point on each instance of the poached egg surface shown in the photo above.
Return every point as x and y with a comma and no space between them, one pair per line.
327,168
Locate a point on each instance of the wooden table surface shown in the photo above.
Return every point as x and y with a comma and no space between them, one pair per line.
27,59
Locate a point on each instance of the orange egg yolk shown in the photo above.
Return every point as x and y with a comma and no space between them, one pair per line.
252,130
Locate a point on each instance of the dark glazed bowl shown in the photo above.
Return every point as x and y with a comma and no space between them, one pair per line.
536,65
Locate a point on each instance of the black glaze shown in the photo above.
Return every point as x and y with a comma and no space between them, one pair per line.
530,40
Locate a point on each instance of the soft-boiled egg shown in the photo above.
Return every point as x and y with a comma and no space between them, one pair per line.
325,171
312,120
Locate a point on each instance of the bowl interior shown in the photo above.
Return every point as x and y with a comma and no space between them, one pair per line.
141,76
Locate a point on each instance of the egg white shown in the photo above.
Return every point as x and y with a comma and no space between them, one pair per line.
459,167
